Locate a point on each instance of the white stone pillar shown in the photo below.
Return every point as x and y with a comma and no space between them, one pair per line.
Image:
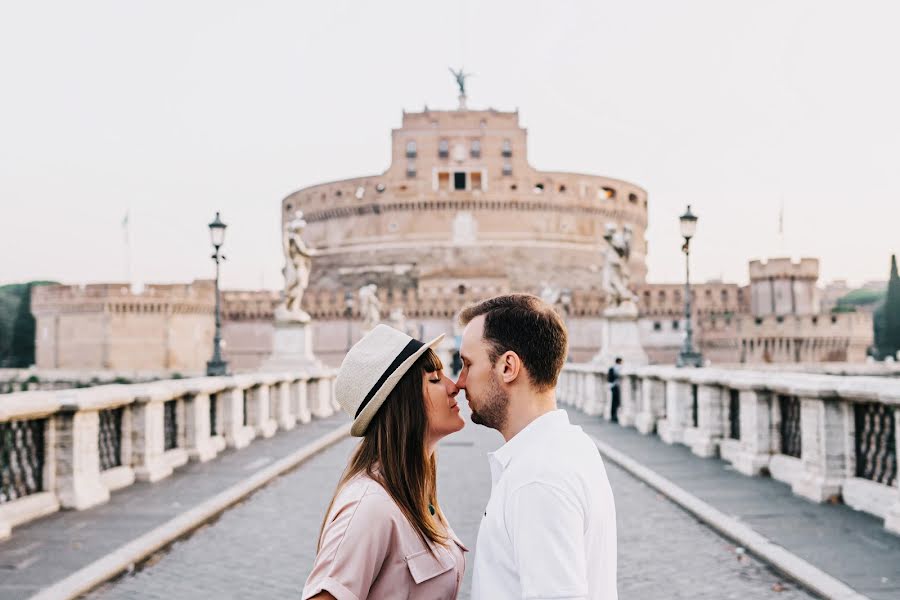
237,435
287,419
78,481
823,430
199,443
300,400
579,390
260,417
704,439
594,403
757,444
630,390
652,405
562,388
320,398
148,442
678,412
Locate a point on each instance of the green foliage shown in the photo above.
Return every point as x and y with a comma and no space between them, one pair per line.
17,324
889,342
843,308
861,297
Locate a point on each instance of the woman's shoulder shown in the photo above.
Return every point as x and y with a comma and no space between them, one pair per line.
364,493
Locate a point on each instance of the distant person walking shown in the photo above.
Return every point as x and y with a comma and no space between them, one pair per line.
614,377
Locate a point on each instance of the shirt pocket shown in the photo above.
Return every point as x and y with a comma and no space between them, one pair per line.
424,565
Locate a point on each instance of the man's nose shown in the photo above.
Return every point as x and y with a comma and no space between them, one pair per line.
461,382
452,389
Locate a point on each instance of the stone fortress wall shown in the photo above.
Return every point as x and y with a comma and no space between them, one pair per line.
111,327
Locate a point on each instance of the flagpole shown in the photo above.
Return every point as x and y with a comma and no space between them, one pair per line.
125,232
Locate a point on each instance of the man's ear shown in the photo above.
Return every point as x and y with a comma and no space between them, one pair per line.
510,366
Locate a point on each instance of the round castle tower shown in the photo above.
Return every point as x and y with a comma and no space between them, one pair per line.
461,211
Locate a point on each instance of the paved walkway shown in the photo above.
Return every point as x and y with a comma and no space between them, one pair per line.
265,547
849,545
47,550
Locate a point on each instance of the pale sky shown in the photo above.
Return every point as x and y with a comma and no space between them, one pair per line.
171,110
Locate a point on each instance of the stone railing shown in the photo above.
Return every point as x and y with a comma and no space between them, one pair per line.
34,379
71,448
826,436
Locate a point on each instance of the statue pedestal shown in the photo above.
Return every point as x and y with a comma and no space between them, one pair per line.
620,337
291,348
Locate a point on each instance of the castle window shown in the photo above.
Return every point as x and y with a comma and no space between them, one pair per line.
475,180
513,187
607,193
411,169
339,193
562,188
815,320
538,188
443,180
443,149
507,168
410,149
459,181
632,198
676,325
475,150
506,148
657,326
380,187
360,192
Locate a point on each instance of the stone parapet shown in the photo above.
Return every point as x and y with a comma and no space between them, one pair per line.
74,447
829,437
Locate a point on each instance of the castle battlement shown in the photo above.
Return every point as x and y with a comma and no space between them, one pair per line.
784,268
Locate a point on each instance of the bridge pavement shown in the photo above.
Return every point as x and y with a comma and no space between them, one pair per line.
264,548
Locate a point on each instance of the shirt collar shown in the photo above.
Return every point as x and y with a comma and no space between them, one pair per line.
530,435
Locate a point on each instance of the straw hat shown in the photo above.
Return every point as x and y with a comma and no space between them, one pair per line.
372,368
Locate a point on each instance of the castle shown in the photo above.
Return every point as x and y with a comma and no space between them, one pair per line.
458,215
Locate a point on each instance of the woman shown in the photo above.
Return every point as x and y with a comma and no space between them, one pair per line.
384,535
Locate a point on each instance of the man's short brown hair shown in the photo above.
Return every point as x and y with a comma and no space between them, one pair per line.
528,326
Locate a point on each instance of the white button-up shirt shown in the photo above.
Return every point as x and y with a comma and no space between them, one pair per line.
549,530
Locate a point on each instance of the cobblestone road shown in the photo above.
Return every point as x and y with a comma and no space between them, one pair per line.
264,547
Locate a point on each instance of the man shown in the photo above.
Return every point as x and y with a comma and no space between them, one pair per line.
549,530
614,376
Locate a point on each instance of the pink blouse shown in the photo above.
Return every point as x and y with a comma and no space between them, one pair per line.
369,550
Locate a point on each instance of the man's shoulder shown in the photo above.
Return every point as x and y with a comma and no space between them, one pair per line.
570,455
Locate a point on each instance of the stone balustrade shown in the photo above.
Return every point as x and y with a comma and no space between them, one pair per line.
71,448
828,437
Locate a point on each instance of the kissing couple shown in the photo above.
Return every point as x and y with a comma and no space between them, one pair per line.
549,528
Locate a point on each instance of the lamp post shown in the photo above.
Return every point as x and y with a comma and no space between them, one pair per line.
216,365
688,357
348,312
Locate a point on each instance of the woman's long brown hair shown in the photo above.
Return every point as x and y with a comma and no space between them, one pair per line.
393,453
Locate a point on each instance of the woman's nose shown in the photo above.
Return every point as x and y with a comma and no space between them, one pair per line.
452,390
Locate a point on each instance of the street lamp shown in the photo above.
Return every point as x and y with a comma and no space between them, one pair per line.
688,357
216,365
348,312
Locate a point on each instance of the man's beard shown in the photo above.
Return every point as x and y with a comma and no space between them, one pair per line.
492,407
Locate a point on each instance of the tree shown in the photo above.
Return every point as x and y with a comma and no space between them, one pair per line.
890,334
21,348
